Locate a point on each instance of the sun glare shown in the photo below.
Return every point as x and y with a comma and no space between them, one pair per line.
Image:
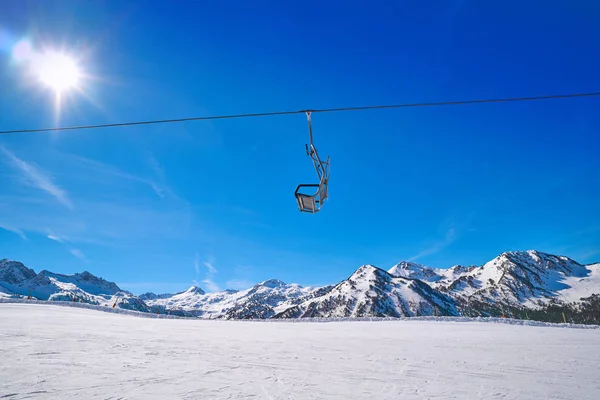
54,69
58,71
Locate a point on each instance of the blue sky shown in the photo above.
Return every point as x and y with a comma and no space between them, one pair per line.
160,207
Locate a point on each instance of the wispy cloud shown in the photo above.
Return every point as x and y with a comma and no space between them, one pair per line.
207,283
15,231
112,171
243,269
156,167
56,238
79,254
210,285
37,178
242,277
107,223
209,265
588,254
437,246
197,263
75,252
239,284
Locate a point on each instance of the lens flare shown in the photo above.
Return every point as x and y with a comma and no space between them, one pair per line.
22,51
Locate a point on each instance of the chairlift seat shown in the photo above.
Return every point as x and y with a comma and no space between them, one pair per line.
306,202
311,202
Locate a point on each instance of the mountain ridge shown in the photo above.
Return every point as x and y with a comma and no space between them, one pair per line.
512,283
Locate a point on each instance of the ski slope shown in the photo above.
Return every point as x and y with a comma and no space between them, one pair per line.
52,352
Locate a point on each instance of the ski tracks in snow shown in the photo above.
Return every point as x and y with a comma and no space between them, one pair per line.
49,352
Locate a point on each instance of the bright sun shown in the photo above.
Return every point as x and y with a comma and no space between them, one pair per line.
55,69
58,71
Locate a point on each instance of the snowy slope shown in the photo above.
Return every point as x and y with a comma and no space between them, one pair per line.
578,287
373,291
455,272
5,293
63,353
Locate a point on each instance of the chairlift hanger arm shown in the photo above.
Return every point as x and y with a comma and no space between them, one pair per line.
310,130
312,203
312,150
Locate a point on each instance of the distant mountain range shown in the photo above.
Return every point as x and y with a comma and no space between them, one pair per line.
16,280
520,284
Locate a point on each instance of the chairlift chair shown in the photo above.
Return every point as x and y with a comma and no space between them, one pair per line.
313,202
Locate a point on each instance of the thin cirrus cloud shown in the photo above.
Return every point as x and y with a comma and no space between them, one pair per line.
56,238
239,284
111,171
197,263
115,217
36,177
16,231
437,246
155,165
207,283
210,285
75,252
78,254
110,223
209,265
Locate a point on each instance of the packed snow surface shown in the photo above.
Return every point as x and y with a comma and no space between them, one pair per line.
53,352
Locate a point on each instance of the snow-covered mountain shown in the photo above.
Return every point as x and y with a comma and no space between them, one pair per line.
16,280
84,281
521,278
371,291
14,272
260,301
511,282
412,270
154,296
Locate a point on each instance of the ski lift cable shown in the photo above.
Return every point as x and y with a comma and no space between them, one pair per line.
322,110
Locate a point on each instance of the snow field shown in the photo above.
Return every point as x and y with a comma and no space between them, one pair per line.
51,352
